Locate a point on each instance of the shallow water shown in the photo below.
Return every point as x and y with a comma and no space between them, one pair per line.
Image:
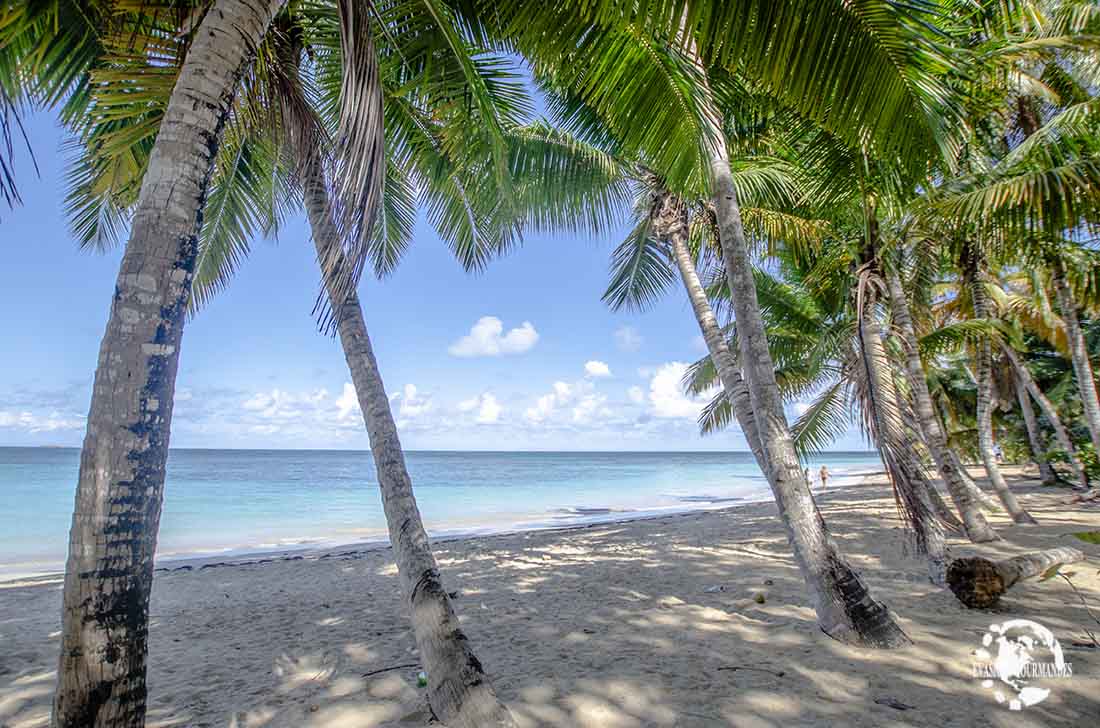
240,501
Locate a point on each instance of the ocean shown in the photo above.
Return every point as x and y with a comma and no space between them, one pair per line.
235,502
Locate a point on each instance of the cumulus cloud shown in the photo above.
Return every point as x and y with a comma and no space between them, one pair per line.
279,404
489,410
637,396
487,338
596,369
411,403
545,405
485,405
666,397
577,403
34,423
627,338
347,404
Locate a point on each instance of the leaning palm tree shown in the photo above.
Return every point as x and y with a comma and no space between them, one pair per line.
1021,304
657,81
279,147
108,577
827,340
975,277
1030,186
671,233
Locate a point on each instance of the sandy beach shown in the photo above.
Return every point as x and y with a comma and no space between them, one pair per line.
654,622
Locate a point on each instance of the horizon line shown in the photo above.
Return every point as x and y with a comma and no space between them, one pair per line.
428,450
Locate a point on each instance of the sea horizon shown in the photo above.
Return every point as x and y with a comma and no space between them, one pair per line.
233,502
415,450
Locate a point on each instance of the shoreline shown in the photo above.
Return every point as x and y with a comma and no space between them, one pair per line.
197,561
693,620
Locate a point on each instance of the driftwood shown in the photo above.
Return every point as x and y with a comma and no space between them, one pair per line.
979,583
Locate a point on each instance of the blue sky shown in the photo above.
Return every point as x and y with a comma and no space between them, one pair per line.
524,356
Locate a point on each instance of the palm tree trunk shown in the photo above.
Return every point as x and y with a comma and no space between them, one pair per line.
1049,411
459,692
671,223
912,444
1082,367
985,409
109,574
845,608
1034,438
905,473
979,583
976,525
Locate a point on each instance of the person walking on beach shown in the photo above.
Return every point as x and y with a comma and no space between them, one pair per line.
824,475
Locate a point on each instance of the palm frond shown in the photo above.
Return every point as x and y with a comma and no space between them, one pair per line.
640,271
826,419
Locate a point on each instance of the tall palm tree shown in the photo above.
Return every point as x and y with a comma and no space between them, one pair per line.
1033,165
253,182
962,490
1028,384
657,82
1034,436
108,577
822,319
975,276
1079,354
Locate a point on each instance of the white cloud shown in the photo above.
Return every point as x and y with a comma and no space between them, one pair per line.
487,338
412,403
31,422
589,407
279,404
666,396
546,405
637,396
577,403
490,409
596,369
487,406
628,339
347,404
800,408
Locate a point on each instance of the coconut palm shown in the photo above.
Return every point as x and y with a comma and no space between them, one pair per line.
658,82
1022,304
101,675
1033,166
824,326
1034,436
253,187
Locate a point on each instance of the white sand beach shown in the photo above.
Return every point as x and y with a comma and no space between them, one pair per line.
646,623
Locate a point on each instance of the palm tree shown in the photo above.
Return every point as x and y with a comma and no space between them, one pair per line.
975,279
1030,182
254,182
108,577
1027,384
1034,436
963,492
1079,354
820,310
652,81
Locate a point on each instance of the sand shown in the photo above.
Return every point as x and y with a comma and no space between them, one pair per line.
645,623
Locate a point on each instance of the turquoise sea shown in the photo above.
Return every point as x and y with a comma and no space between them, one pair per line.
230,502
